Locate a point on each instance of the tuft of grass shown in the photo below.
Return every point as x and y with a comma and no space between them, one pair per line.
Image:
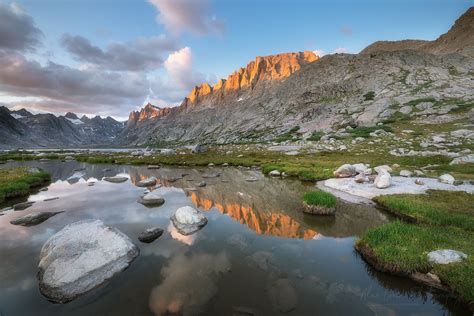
444,208
364,131
17,182
315,136
320,198
369,96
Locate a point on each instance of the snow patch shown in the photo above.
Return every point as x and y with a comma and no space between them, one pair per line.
75,121
17,116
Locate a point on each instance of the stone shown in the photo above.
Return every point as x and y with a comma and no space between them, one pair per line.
152,199
406,173
198,149
149,235
202,184
361,178
147,182
446,178
274,173
418,173
251,179
33,219
282,295
212,175
462,160
151,167
345,171
384,167
23,206
383,179
419,181
80,257
446,256
210,164
115,179
187,220
360,167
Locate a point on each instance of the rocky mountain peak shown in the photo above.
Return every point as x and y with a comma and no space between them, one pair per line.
71,115
266,68
149,111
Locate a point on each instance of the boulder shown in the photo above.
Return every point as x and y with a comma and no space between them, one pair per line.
345,171
361,178
446,256
384,167
152,199
188,220
151,167
446,178
360,167
198,149
406,173
419,181
418,173
202,184
33,219
147,182
23,206
150,234
80,257
383,179
462,160
115,179
274,173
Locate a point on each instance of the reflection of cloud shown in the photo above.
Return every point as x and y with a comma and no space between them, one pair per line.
188,240
189,283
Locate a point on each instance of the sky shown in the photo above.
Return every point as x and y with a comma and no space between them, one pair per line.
109,57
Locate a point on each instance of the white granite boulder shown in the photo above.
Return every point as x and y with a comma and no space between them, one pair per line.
406,173
80,257
188,220
446,256
152,199
383,179
446,178
345,171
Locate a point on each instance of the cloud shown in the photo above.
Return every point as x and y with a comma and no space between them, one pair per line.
346,30
179,16
319,52
189,283
179,66
59,86
341,50
142,54
18,31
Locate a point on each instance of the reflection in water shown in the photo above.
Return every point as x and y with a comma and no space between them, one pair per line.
264,236
189,283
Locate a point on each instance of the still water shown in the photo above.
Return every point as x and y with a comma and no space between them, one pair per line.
258,255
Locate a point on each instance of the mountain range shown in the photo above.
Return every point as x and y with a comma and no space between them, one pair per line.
274,95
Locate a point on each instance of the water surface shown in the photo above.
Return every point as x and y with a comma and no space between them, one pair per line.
259,253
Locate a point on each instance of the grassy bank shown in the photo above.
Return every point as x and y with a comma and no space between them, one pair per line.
437,220
18,182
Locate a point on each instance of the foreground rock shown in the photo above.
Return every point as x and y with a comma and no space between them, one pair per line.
383,179
147,182
446,256
345,171
150,234
116,179
33,218
152,199
188,220
81,257
446,178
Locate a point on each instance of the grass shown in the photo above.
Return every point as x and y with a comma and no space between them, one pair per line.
437,220
290,135
315,136
364,132
17,182
320,198
443,208
369,96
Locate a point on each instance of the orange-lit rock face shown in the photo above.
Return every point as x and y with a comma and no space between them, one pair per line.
274,67
264,223
148,112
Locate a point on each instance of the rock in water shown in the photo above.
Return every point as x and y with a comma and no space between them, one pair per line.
383,179
345,171
446,256
150,234
116,179
33,219
274,173
22,206
202,184
152,199
147,182
151,167
81,257
188,220
446,178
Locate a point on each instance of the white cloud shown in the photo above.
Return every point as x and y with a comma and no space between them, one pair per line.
179,66
179,16
341,50
319,52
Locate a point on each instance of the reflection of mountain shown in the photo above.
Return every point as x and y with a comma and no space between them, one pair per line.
266,222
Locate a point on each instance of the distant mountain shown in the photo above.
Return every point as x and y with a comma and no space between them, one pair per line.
459,39
21,128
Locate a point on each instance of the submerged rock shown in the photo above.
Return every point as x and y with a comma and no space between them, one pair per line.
446,178
116,179
345,171
81,257
446,256
152,199
188,220
23,206
33,218
147,182
150,234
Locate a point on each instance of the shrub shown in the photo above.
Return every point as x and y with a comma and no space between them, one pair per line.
369,96
315,136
